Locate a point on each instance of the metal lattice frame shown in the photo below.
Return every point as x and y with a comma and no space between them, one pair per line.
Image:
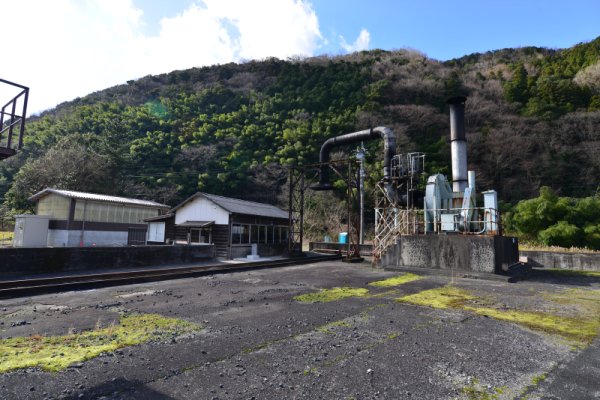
296,210
12,116
299,181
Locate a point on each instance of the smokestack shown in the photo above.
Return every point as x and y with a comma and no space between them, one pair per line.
458,143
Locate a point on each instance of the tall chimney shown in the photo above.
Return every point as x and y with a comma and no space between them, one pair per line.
458,143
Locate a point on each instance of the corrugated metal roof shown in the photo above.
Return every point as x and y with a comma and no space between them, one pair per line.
237,206
97,197
163,217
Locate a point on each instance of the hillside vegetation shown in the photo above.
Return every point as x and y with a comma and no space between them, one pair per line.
532,120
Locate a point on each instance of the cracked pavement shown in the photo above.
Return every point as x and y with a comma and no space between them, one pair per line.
258,342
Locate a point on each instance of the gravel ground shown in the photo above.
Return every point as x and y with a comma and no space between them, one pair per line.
258,342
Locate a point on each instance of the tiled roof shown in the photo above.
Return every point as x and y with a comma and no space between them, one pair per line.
97,197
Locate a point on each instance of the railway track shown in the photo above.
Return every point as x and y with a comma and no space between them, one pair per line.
27,287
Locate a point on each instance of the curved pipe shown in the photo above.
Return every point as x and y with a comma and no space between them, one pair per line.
389,151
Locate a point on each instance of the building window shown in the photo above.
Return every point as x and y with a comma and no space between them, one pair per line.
156,232
236,234
254,230
199,236
240,234
245,239
284,234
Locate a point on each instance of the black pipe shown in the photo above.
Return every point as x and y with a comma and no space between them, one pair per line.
389,151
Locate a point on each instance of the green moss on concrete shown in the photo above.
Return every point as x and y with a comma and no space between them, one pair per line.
578,329
333,294
443,297
474,391
396,280
55,353
536,380
328,328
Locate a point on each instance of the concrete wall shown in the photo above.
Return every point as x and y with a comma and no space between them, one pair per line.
365,249
491,254
16,262
264,250
65,238
573,261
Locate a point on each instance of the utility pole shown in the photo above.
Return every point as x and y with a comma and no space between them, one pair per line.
360,156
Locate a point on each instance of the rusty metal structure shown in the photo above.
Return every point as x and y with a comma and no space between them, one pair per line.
302,178
347,170
12,120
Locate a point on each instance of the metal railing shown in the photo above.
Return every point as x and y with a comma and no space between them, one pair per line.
390,223
12,116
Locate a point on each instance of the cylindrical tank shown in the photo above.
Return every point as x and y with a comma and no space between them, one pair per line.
458,143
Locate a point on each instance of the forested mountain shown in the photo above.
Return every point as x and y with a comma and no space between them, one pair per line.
532,115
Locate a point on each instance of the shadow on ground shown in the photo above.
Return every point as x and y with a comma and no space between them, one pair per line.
120,388
563,277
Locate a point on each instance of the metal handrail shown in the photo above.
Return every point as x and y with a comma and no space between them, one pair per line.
14,119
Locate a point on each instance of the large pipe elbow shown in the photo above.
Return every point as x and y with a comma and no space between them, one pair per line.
389,150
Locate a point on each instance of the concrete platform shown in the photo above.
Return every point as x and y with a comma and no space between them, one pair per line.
259,342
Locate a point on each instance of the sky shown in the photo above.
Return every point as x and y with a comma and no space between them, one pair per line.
63,49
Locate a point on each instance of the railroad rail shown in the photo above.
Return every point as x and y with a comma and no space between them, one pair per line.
30,286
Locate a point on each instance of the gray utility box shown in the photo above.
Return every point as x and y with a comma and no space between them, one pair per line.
31,231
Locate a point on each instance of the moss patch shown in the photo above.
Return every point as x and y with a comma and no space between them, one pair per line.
55,353
579,329
474,391
444,297
328,328
333,294
396,280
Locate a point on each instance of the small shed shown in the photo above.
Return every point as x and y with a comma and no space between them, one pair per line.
232,225
90,219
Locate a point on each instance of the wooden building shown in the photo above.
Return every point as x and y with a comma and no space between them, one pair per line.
232,225
89,219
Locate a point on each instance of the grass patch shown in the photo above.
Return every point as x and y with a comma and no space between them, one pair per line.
443,297
55,353
333,294
580,329
396,280
530,246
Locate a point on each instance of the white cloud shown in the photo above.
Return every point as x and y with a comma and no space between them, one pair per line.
361,42
74,47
